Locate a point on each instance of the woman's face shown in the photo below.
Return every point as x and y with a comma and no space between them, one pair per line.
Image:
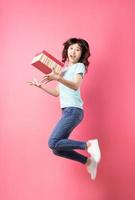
74,53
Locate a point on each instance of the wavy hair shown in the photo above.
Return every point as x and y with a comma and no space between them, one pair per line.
84,48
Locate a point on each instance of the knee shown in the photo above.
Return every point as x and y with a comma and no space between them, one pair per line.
55,152
51,143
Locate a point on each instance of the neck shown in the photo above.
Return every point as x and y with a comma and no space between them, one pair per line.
70,63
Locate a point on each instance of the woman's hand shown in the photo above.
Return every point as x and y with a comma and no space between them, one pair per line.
54,75
34,82
50,77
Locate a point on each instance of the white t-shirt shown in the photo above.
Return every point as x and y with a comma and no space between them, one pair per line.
68,96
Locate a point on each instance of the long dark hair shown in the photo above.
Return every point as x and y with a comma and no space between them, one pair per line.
84,48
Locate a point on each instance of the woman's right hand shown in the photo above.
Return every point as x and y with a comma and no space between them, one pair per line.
34,82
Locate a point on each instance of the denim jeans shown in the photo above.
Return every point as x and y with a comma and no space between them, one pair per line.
59,142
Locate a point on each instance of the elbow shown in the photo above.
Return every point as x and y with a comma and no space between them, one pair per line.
76,87
56,95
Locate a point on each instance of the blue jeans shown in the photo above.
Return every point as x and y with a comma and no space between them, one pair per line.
59,142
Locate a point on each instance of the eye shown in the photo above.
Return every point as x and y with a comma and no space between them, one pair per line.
78,50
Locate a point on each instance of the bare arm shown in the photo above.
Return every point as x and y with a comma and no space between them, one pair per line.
75,84
52,91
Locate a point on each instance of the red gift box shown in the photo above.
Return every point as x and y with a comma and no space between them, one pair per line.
45,62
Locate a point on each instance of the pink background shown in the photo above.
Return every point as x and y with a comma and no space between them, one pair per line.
28,169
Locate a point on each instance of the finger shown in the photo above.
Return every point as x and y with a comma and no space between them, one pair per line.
33,83
44,76
53,69
57,69
47,81
44,80
36,82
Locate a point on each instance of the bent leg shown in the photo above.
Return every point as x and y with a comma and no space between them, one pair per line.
58,140
73,155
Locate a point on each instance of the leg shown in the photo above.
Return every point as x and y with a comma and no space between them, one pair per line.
73,155
59,141
71,117
62,146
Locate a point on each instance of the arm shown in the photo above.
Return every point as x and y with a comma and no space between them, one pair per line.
52,91
74,85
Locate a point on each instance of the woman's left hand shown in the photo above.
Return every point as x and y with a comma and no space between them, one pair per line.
54,75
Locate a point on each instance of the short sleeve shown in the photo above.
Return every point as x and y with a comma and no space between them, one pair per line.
80,69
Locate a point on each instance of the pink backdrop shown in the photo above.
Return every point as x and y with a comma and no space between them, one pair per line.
28,170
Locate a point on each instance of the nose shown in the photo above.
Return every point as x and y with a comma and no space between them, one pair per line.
73,51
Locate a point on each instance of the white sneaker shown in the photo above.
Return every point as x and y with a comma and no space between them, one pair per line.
94,150
92,168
